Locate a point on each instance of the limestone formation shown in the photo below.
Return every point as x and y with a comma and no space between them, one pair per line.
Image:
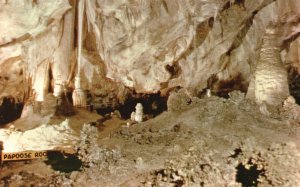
196,59
138,46
61,66
270,78
138,115
79,96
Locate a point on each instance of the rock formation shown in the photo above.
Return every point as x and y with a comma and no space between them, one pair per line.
138,115
270,79
196,59
138,46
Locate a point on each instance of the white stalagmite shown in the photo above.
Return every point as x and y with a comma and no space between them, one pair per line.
79,96
208,93
271,83
132,116
139,114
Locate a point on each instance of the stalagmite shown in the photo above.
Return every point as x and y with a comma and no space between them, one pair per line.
208,93
79,97
270,81
138,115
132,116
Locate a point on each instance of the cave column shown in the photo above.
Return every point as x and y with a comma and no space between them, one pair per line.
41,81
61,69
270,86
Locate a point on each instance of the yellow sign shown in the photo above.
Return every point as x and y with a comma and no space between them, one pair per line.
25,155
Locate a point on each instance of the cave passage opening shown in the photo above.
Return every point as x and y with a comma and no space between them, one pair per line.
10,111
222,88
294,83
153,105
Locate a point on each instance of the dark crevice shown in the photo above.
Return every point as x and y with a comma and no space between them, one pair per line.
294,83
237,152
226,6
248,177
174,70
64,107
63,162
51,81
178,183
222,88
10,111
211,22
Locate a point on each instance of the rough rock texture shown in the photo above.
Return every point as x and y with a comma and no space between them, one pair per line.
103,92
29,43
179,100
44,137
213,142
147,46
176,48
270,79
215,37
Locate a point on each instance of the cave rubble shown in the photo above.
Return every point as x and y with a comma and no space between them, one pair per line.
211,141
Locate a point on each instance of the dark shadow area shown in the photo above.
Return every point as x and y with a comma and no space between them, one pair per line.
248,177
10,111
65,108
237,152
63,162
153,105
69,96
222,88
294,83
103,111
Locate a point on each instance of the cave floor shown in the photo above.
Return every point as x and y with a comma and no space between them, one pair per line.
210,142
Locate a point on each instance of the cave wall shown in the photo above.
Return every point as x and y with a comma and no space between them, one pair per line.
31,33
139,46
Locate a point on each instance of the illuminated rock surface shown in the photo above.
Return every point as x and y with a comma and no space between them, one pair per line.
147,46
164,54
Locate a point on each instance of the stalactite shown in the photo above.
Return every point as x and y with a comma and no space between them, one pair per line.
79,96
41,80
63,54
